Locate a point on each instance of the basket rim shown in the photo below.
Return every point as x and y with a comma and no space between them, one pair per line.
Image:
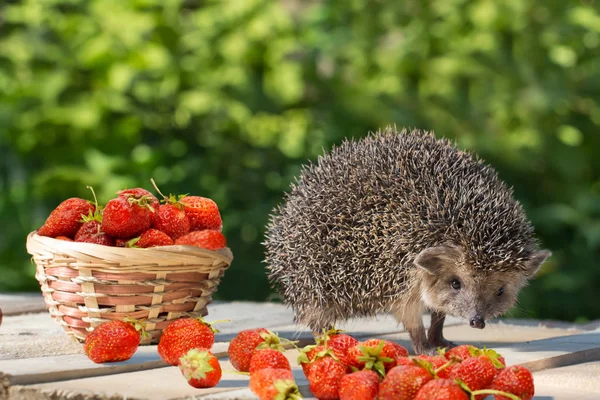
225,255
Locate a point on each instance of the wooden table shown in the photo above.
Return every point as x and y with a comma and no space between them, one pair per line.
39,361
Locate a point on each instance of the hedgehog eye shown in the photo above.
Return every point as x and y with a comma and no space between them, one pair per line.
500,292
455,284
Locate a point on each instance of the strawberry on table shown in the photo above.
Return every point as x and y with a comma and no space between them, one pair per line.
202,212
360,385
436,363
464,351
403,382
516,380
247,342
268,358
375,354
65,220
325,374
211,240
339,343
200,368
476,372
307,355
274,384
113,341
183,335
441,389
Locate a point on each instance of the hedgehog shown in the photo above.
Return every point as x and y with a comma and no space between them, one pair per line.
400,223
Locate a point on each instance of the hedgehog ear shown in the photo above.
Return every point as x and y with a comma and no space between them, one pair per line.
535,261
432,259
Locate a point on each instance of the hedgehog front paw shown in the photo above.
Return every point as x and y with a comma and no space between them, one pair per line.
425,348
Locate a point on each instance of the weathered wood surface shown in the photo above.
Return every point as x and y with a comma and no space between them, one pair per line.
39,361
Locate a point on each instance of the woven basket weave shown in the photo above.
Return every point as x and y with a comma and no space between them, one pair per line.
87,284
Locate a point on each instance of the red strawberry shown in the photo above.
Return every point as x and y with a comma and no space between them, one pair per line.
200,368
66,239
113,341
307,355
242,347
339,343
139,193
151,238
403,382
211,240
65,220
171,219
183,335
400,350
361,385
494,357
122,242
476,372
441,389
463,352
375,354
127,216
268,358
324,376
273,383
202,212
436,363
516,380
91,232
404,361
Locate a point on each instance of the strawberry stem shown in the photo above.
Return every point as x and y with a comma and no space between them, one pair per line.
94,194
157,189
495,392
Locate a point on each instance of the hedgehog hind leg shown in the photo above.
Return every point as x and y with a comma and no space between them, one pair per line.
317,320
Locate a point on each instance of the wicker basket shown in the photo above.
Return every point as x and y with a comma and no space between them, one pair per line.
87,284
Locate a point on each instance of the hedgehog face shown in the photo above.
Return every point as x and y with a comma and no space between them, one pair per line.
451,285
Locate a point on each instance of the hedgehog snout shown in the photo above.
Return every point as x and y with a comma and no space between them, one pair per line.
477,321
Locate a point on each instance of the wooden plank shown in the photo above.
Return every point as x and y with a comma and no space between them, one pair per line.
21,303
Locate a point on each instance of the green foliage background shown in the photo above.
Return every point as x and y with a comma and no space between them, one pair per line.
227,99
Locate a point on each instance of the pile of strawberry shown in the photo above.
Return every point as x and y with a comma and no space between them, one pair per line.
136,218
338,366
341,367
186,343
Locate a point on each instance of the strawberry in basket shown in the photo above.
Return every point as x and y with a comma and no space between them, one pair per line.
65,220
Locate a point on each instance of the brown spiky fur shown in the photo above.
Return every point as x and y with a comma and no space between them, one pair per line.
383,224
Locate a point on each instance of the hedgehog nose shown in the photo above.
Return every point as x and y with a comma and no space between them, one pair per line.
477,322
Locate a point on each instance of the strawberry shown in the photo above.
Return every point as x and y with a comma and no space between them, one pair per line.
113,341
139,193
211,240
91,232
400,350
307,355
274,383
150,238
494,357
122,242
324,376
441,389
476,372
403,382
242,347
339,343
66,239
436,363
127,216
361,385
171,219
463,352
65,220
375,354
268,358
200,368
202,212
404,361
516,380
183,335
